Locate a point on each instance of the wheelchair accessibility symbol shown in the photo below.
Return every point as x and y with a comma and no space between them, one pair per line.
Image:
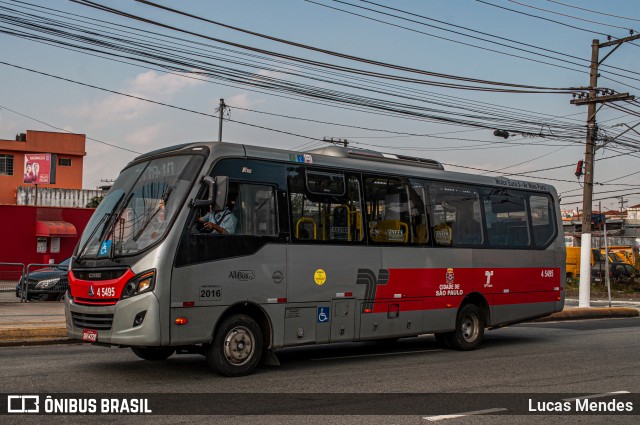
105,248
323,314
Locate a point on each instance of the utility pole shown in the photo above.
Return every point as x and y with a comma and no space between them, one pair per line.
221,109
622,202
593,98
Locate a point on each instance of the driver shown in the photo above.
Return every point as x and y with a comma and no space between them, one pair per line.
221,222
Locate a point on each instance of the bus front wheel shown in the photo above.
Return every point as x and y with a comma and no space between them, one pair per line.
469,328
236,348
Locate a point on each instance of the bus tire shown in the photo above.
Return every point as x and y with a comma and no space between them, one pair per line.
469,328
153,353
236,348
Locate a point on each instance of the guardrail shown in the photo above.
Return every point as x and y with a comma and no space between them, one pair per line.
36,281
10,276
44,282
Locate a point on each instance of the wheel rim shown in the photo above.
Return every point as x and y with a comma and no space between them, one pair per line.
470,327
239,345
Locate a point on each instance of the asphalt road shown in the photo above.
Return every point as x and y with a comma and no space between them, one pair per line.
560,359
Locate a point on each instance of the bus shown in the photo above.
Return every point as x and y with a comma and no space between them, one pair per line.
330,245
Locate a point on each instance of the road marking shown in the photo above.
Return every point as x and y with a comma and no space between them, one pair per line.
596,395
378,354
461,415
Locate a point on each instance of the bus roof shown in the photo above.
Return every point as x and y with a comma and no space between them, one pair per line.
353,159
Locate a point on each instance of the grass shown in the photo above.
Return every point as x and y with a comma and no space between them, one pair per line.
599,290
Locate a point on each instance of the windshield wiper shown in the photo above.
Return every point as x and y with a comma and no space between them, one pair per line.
111,226
79,259
164,198
105,228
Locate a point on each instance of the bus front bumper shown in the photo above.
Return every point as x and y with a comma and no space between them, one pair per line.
131,322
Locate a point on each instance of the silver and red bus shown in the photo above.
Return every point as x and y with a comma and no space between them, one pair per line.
331,245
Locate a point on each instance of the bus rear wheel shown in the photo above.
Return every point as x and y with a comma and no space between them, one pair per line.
236,348
469,328
153,353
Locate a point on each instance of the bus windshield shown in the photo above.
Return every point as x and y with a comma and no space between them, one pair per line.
139,207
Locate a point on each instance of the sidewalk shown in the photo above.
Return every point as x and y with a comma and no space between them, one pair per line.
36,322
42,322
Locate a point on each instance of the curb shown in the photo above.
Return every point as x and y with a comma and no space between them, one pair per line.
17,333
36,341
582,313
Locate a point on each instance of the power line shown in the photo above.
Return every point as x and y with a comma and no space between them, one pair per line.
67,131
528,88
542,18
445,38
470,36
155,101
422,116
568,16
593,11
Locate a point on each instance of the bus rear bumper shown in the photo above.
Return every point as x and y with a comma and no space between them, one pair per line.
131,322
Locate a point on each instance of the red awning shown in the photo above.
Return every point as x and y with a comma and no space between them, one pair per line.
55,229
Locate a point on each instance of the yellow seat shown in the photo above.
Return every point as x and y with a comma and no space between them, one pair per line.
390,231
302,228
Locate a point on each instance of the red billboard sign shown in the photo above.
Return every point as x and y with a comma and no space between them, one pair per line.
37,168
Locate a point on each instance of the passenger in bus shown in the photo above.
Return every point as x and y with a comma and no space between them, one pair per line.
468,230
220,222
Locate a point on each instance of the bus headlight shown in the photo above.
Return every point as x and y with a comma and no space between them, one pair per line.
143,282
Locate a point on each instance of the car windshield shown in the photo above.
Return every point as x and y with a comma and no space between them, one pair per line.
139,207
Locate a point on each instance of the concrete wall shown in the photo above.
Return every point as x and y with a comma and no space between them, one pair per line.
18,241
51,197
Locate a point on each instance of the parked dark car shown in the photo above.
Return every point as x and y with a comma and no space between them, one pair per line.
619,272
48,284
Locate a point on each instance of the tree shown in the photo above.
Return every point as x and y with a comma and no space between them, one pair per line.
95,201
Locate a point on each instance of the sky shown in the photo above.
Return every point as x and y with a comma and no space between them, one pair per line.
260,116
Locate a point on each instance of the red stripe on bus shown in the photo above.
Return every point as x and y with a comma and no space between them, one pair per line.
425,289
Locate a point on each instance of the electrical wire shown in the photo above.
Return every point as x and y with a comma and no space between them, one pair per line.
529,88
585,63
67,131
594,11
569,16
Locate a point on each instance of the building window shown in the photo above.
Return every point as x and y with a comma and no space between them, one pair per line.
64,162
6,165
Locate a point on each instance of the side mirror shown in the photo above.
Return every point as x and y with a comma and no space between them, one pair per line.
210,182
222,188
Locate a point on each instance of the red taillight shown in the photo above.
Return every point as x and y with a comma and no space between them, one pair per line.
181,321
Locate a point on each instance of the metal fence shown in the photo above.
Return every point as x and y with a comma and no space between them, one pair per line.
10,275
46,282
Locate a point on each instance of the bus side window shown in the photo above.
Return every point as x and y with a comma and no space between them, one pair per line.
325,206
456,216
542,219
506,219
395,209
256,210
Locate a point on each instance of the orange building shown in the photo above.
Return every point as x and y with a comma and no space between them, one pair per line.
42,158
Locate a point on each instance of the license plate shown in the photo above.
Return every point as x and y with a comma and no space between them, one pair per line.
89,335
